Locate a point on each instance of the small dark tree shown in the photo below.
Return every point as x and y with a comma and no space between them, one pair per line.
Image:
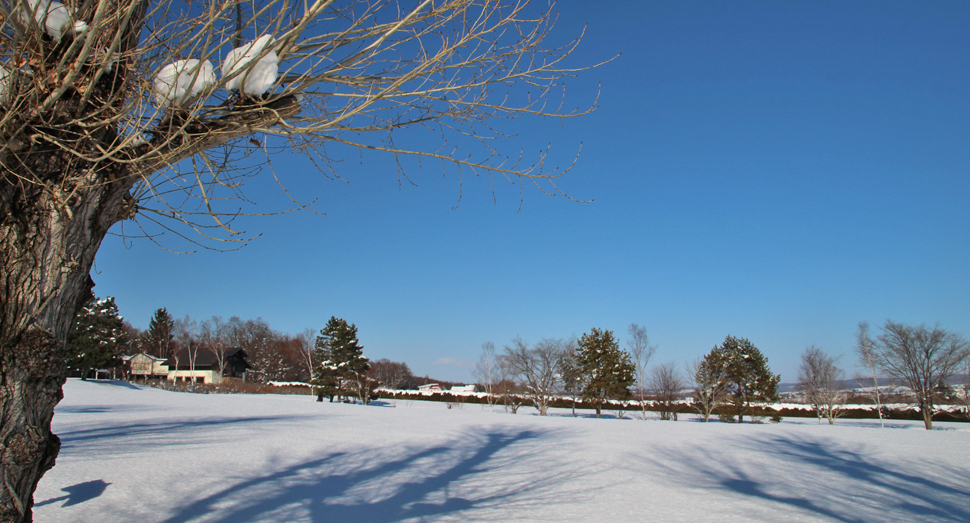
748,376
97,337
608,370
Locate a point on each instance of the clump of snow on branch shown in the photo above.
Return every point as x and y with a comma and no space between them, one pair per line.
4,82
251,78
183,80
54,17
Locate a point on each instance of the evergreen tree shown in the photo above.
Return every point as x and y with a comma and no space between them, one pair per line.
341,368
160,335
747,374
607,369
97,337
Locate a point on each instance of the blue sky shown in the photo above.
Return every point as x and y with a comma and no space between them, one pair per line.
778,171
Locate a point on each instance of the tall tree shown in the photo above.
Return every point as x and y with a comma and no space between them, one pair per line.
572,374
160,336
485,372
820,379
748,376
607,369
119,116
342,362
922,358
863,350
97,337
642,351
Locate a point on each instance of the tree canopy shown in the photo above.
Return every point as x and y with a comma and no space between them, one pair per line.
607,370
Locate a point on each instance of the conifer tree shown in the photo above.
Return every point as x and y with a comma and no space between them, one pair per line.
160,334
96,337
747,374
340,362
607,369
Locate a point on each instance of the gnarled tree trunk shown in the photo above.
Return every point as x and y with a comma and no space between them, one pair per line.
48,242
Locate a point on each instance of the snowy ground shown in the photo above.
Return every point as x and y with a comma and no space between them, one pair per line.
145,455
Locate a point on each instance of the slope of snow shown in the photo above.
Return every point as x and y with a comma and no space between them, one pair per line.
132,454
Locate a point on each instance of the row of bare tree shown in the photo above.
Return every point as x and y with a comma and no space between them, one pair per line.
273,355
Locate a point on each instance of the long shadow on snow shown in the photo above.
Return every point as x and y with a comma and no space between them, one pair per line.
845,478
157,429
414,485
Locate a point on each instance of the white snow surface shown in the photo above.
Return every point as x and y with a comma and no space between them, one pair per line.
183,80
261,75
147,455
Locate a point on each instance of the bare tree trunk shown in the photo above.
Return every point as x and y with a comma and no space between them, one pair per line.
47,248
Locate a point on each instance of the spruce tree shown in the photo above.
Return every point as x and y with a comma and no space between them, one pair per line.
747,374
96,337
607,369
160,334
340,362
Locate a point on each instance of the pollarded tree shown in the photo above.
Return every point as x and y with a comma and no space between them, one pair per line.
748,377
113,111
922,358
608,371
97,337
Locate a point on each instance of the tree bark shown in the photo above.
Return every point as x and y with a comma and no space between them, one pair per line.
47,246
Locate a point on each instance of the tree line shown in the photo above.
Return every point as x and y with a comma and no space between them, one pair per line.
731,381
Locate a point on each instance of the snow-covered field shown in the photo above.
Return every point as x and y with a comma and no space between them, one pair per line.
146,455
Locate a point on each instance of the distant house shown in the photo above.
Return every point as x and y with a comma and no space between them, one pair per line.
430,387
203,368
462,389
145,367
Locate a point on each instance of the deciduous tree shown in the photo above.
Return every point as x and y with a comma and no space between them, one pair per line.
710,380
922,358
642,351
666,384
538,368
820,379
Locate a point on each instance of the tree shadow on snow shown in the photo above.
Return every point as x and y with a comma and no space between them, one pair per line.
78,493
155,432
384,486
828,479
